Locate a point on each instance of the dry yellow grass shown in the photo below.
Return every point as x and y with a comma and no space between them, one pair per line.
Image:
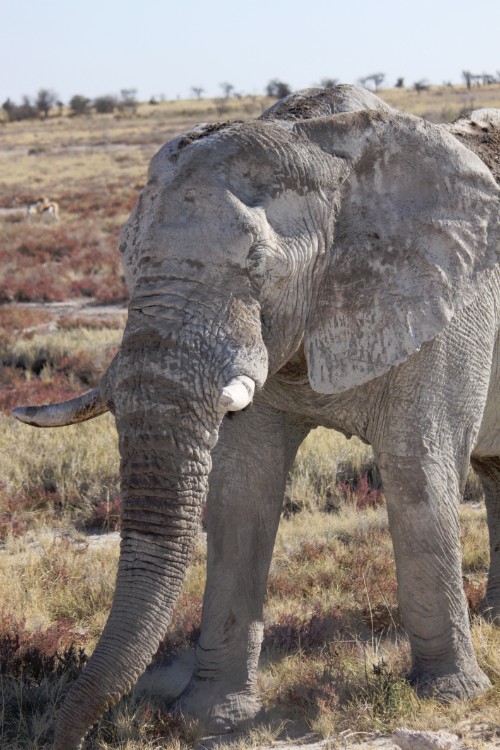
443,103
355,681
67,343
48,578
44,172
323,457
78,464
55,155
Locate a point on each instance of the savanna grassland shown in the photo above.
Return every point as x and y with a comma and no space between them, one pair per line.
335,653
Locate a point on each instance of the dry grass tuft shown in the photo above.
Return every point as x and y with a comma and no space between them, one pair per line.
79,461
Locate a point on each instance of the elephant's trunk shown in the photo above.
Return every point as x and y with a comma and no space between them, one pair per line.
178,373
164,480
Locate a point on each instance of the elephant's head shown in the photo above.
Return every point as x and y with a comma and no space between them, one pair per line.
355,234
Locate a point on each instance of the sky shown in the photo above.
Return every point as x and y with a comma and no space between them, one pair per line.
164,48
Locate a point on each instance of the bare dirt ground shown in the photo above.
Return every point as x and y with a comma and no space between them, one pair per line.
400,739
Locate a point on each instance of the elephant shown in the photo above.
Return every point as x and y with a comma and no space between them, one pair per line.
333,262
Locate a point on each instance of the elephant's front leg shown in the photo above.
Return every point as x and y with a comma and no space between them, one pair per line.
250,464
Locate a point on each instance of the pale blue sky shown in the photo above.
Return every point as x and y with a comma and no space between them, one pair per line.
94,47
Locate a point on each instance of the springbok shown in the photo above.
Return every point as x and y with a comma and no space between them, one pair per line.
50,211
44,208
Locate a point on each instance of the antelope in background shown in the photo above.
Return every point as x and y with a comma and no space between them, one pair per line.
44,208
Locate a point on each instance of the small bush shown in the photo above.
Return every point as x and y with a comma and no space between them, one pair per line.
105,104
474,592
278,89
20,511
106,515
292,633
388,694
79,104
36,670
361,494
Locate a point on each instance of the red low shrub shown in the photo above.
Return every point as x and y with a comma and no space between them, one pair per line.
474,592
106,514
37,392
32,656
13,319
361,494
292,633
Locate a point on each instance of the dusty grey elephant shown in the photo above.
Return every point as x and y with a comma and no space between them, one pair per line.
336,263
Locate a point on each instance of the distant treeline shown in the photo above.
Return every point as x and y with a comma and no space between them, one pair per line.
47,100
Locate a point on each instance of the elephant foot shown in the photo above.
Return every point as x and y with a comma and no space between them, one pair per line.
168,680
449,686
219,710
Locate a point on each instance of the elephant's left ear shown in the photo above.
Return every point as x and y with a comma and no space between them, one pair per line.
416,237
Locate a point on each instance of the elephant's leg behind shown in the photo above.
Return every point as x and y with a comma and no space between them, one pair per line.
486,463
488,470
247,483
434,404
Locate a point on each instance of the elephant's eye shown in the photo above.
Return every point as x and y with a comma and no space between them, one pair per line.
257,262
264,262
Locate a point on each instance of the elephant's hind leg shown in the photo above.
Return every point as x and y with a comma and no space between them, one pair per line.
425,528
247,482
485,461
488,470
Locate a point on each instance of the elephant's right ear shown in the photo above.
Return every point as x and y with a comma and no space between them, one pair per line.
416,237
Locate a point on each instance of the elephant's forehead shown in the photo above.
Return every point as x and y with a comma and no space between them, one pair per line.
203,149
190,229
262,154
190,213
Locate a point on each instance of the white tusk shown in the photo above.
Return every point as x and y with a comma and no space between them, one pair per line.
238,393
86,406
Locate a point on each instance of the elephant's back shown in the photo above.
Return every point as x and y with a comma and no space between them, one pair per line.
320,102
